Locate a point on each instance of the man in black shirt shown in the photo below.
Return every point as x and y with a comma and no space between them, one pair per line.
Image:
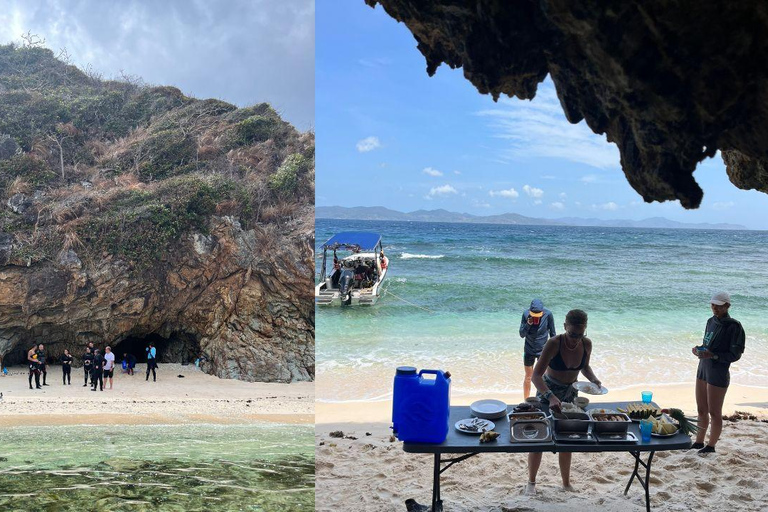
87,364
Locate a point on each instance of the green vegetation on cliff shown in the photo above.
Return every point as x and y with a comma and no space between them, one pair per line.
117,168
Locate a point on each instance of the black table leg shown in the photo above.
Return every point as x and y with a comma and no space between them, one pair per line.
436,502
646,483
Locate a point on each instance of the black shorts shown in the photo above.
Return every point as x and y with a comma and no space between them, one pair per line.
529,359
151,364
109,373
714,373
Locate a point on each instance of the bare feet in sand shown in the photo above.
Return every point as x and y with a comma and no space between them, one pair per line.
569,488
530,489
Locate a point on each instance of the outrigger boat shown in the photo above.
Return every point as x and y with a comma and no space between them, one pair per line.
354,279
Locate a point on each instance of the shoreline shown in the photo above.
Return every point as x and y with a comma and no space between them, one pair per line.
182,395
681,396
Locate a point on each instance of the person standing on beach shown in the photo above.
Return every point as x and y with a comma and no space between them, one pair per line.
130,362
87,364
66,367
722,345
34,368
97,371
559,365
151,361
42,362
537,326
109,365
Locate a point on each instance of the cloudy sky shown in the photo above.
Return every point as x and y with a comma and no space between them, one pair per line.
240,51
389,135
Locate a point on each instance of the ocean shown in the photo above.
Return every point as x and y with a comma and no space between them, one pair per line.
456,293
264,468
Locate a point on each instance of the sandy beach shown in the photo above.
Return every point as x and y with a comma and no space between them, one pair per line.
372,473
194,398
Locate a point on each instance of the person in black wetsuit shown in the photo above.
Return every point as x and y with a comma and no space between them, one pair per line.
34,368
97,371
87,365
41,360
723,344
66,367
562,359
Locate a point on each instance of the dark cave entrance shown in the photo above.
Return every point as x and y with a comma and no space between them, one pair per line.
17,356
179,347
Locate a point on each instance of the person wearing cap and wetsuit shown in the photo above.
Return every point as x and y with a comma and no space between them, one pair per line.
537,326
722,345
561,361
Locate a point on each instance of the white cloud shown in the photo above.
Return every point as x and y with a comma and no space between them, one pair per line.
368,144
558,206
589,178
723,205
480,204
442,190
533,191
537,201
457,172
538,128
610,206
562,195
510,193
548,177
432,172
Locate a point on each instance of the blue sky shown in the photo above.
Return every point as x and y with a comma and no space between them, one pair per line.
389,135
241,51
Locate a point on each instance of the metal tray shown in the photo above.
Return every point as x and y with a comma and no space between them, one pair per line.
530,431
571,422
521,416
601,427
617,438
575,437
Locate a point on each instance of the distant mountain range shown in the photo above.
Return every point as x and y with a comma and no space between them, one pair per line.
382,213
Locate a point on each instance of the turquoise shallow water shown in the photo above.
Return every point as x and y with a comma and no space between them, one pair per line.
646,292
266,468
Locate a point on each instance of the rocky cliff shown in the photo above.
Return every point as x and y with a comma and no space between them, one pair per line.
134,214
669,82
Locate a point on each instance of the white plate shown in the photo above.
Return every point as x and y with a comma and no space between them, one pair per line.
488,409
589,388
664,435
485,425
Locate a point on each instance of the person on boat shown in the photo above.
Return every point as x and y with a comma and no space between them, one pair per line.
722,345
360,272
66,367
536,326
336,271
87,364
384,260
559,365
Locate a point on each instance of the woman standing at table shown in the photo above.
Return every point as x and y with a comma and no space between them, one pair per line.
559,365
723,344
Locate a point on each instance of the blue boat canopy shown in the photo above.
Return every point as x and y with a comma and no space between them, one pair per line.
353,239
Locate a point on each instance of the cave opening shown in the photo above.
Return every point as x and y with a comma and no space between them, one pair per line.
179,347
17,356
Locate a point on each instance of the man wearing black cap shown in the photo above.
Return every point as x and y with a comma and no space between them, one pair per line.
537,326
